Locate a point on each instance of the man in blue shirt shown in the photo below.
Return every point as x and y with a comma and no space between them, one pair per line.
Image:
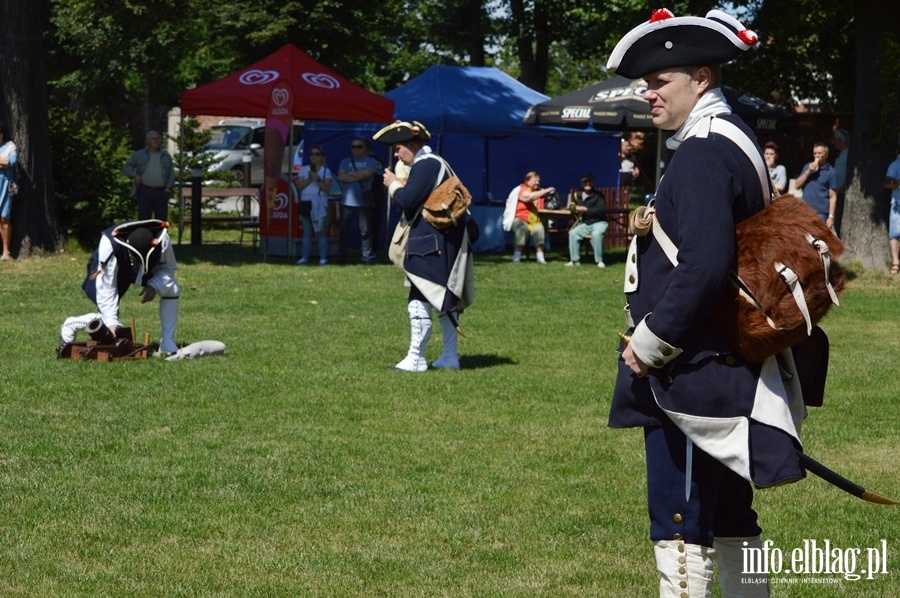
819,183
355,174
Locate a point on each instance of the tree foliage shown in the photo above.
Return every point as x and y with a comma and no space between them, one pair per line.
191,141
805,54
123,63
92,192
109,55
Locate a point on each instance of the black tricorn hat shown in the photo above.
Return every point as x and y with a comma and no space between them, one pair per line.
401,131
667,41
143,239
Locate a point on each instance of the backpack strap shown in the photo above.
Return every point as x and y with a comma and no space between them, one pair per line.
826,263
665,242
735,134
444,168
726,129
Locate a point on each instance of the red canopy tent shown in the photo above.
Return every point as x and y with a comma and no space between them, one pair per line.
315,93
320,93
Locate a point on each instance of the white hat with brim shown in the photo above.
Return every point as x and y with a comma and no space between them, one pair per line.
667,41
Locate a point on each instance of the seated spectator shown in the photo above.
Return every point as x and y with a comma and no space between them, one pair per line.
590,215
522,218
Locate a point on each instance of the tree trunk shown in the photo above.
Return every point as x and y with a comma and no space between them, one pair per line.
542,46
524,50
475,33
24,110
871,151
532,34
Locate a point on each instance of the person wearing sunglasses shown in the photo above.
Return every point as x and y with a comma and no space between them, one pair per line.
356,174
313,180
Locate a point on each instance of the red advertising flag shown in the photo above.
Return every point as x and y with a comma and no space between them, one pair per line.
273,215
275,201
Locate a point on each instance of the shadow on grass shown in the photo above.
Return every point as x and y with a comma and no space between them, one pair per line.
233,254
557,256
475,362
224,254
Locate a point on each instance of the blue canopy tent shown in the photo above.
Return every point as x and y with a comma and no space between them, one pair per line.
476,114
475,118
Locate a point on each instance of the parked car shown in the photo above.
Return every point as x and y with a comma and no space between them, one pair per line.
231,141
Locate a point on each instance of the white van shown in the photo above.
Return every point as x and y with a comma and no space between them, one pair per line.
232,140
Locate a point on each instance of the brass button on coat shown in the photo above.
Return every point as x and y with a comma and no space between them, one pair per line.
667,351
730,360
677,518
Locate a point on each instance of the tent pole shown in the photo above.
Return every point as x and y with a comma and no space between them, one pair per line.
290,153
487,172
181,174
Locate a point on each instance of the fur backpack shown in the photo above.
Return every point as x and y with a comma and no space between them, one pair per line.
786,277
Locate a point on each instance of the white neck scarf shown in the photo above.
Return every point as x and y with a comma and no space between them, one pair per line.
422,153
711,103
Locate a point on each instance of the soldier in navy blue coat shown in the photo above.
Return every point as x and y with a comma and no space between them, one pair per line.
714,423
438,263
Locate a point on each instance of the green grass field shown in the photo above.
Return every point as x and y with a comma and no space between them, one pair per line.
298,464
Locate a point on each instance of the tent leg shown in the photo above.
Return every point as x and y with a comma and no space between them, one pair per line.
180,170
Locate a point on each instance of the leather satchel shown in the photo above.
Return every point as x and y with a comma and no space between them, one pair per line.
448,202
